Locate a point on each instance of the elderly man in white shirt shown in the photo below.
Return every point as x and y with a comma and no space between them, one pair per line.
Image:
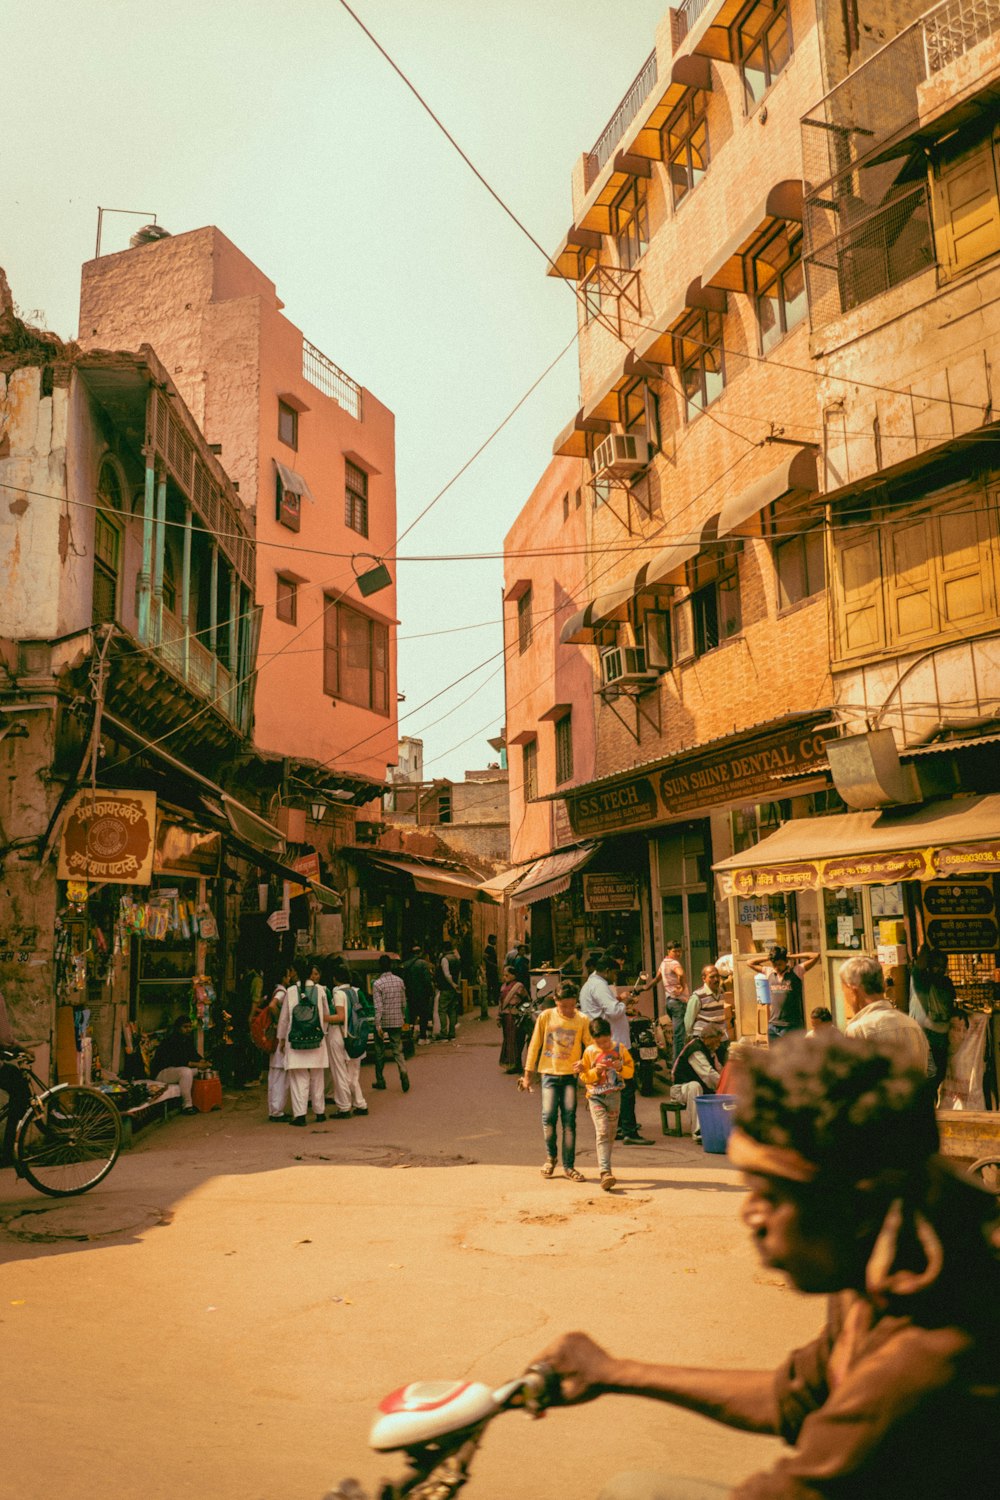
597,998
875,1019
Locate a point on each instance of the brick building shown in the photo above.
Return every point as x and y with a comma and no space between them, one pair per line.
784,246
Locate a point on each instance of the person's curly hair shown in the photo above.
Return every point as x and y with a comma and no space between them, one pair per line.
839,1103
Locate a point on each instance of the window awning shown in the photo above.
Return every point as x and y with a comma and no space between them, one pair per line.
574,440
709,36
566,260
432,880
643,137
604,404
796,473
937,841
551,875
498,885
251,827
656,344
727,268
293,482
670,559
595,213
611,604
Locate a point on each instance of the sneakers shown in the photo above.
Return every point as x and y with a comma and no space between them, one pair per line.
361,1111
320,1120
404,1082
299,1120
379,1083
607,1182
635,1140
278,1119
342,1114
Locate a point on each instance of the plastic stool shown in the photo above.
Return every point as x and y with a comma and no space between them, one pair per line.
676,1125
206,1094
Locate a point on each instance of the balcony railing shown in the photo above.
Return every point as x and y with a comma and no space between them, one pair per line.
620,121
196,665
954,28
330,379
687,16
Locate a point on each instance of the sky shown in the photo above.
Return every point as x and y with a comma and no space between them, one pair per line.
282,125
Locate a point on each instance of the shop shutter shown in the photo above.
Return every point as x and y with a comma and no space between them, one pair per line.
859,610
966,207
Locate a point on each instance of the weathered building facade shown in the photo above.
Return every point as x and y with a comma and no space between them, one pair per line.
784,247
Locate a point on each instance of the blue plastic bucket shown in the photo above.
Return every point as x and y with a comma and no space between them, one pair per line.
716,1113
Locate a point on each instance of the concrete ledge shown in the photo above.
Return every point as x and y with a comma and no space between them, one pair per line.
968,1134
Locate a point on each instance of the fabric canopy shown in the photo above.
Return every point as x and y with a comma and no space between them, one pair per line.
795,473
935,841
498,885
783,200
432,880
293,482
550,876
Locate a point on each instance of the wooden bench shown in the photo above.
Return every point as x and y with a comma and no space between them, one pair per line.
674,1125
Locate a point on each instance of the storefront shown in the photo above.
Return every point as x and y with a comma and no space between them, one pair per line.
879,882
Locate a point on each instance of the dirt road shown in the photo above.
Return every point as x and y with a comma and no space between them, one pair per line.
239,1295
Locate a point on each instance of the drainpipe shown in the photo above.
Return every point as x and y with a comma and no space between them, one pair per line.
186,592
213,616
156,632
147,555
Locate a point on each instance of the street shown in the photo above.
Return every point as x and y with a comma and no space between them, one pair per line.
239,1296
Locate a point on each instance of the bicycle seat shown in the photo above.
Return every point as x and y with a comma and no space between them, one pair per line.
428,1409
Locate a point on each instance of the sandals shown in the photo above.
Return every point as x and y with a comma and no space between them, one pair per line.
548,1169
574,1175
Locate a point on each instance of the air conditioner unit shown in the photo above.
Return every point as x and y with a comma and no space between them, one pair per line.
620,456
625,664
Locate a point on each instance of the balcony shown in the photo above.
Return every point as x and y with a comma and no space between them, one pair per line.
603,149
331,379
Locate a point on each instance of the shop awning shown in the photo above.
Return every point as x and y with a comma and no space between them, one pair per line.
939,840
498,886
551,875
326,895
251,827
797,472
293,482
265,861
432,880
727,268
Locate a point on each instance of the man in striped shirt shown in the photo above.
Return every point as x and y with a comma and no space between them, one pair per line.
389,996
706,1006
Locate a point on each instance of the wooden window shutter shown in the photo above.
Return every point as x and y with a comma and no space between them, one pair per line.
380,668
331,649
859,611
966,565
910,583
966,207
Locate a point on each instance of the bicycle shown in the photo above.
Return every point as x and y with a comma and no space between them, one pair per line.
68,1138
986,1171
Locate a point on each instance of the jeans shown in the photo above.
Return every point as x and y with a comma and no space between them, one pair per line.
937,1041
559,1100
449,1012
604,1113
646,1484
393,1045
677,1010
627,1122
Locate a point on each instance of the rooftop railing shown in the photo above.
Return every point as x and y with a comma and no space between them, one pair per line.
622,118
687,15
330,379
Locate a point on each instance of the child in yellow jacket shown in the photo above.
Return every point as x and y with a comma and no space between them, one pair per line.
604,1067
556,1047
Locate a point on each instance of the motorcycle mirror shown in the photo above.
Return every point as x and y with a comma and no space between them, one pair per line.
541,986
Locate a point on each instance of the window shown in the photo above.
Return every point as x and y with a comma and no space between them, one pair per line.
763,47
578,499
800,567
702,371
707,618
355,657
288,506
657,639
566,506
356,499
529,776
287,602
630,223
564,749
590,285
107,544
288,425
524,622
779,285
966,204
639,412
685,144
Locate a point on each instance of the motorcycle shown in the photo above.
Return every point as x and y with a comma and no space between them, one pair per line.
439,1425
527,1014
642,1045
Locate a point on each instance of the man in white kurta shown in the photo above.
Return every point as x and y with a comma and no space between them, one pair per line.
305,1067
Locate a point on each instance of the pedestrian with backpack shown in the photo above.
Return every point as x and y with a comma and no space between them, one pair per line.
350,1037
302,1031
341,1094
449,978
389,995
264,1035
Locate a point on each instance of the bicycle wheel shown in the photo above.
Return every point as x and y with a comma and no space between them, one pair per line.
69,1141
986,1171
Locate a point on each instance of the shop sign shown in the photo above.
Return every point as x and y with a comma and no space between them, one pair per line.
108,836
613,808
959,916
610,893
876,869
772,881
307,865
744,774
967,859
278,921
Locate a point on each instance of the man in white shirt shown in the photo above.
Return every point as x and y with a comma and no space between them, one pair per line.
597,998
875,1019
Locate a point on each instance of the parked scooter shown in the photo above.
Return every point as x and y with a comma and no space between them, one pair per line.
527,1014
642,1045
439,1425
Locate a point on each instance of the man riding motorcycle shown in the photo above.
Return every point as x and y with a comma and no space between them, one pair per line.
900,1393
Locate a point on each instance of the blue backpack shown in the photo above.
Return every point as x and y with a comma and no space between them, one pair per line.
355,1022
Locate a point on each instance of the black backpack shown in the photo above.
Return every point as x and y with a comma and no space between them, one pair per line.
306,1030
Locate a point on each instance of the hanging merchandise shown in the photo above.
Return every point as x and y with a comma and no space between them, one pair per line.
208,928
202,1000
157,920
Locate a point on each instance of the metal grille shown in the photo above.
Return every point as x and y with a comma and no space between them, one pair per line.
330,379
954,28
687,16
621,119
879,249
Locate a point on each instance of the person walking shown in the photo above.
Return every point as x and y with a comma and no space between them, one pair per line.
419,981
557,1045
346,1002
449,979
491,970
604,1069
277,1079
341,1088
389,997
302,1029
513,996
932,1004
597,998
520,963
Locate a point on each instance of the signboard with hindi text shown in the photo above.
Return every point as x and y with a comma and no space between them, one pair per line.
108,835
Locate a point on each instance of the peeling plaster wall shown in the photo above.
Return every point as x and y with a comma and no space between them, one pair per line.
27,907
